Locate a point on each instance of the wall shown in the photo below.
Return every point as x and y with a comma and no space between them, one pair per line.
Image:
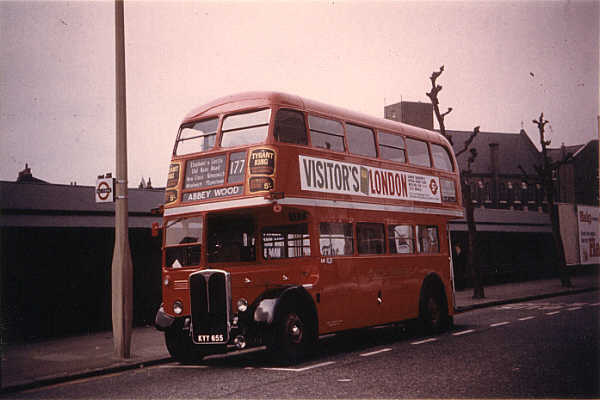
56,281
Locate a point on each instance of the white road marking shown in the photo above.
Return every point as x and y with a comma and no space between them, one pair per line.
499,324
463,332
301,369
182,366
553,313
425,341
376,352
574,308
526,318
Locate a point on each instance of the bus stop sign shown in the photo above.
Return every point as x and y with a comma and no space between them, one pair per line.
105,190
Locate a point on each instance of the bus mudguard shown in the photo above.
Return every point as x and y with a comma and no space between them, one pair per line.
269,304
163,321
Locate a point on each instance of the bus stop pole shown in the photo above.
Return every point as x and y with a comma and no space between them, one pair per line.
122,267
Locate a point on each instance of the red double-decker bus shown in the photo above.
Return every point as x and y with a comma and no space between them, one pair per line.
286,219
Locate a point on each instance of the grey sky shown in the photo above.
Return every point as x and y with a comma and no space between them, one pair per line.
57,70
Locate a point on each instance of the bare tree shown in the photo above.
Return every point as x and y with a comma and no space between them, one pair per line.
472,264
546,172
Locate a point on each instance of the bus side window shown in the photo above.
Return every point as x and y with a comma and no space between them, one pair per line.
401,239
441,158
428,239
336,239
418,154
290,127
370,238
326,133
360,140
288,241
391,147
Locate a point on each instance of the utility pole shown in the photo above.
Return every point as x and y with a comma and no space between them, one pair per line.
122,267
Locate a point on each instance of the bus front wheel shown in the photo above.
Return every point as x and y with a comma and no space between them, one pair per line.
292,337
180,346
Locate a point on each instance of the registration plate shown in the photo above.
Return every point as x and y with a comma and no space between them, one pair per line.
210,338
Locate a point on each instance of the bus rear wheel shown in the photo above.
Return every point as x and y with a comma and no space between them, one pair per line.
433,312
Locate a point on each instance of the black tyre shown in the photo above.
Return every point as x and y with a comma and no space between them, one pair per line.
293,337
180,346
433,313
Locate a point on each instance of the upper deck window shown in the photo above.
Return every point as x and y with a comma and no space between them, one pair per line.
245,129
418,153
197,137
441,158
326,133
290,127
391,147
360,141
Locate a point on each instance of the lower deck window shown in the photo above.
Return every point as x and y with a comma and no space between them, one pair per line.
287,241
230,238
428,239
183,242
370,238
336,239
401,239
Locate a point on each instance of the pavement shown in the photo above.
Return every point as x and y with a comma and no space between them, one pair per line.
40,363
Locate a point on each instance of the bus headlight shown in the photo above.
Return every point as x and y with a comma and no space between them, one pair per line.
242,305
177,307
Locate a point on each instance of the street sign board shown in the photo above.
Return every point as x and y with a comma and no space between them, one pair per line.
105,190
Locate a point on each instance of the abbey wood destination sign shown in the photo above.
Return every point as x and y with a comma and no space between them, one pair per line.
210,171
329,176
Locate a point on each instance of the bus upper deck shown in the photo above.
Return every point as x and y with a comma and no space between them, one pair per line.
261,148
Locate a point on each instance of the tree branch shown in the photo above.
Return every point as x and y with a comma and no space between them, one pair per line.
468,141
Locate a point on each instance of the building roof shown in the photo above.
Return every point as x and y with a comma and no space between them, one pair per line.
514,150
35,204
563,151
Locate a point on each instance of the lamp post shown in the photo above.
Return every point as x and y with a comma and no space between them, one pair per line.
122,267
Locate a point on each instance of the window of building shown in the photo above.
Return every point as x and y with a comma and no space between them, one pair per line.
326,133
245,129
336,239
418,153
371,238
428,239
441,157
290,127
401,239
391,147
288,241
197,137
360,140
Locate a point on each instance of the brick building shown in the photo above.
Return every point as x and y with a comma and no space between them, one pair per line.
56,247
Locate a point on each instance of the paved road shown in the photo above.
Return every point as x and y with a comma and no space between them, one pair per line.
546,348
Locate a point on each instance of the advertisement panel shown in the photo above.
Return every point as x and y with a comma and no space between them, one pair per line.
589,234
330,176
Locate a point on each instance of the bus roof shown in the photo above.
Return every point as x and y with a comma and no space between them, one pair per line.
250,100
